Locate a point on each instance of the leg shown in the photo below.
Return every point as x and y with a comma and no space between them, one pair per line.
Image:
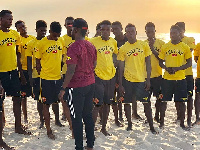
40,111
115,111
127,109
55,108
67,115
101,114
182,115
95,112
178,110
134,109
148,114
197,107
3,115
157,112
106,110
120,111
162,113
17,114
189,110
47,121
24,108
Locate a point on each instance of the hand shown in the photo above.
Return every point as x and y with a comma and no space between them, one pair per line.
61,94
170,70
121,90
38,68
95,100
175,69
147,85
23,79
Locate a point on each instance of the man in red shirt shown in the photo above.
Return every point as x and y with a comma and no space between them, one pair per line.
80,79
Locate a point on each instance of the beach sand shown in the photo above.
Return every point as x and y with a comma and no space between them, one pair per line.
172,137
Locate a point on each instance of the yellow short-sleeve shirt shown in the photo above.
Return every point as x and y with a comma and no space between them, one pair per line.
105,68
175,56
134,56
8,57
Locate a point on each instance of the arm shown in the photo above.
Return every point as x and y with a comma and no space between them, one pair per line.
69,74
38,65
183,67
168,69
115,60
29,68
121,71
19,65
196,58
148,69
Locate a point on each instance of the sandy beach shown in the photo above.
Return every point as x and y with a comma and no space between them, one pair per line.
140,138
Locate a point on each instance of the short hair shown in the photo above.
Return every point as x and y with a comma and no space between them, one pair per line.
69,18
81,24
18,22
98,26
181,25
130,25
117,23
105,22
150,24
55,27
40,23
176,27
4,12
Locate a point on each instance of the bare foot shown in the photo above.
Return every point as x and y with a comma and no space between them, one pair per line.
197,122
119,124
59,124
22,131
153,131
51,136
105,132
41,125
3,145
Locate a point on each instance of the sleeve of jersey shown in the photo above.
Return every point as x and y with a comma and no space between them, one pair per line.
120,55
72,56
197,50
162,53
64,46
188,53
147,50
115,48
28,52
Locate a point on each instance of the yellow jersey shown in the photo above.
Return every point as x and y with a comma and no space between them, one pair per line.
175,56
156,70
23,48
134,56
50,52
8,57
68,41
190,41
105,68
31,52
197,53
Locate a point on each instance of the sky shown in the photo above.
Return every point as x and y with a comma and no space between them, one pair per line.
163,13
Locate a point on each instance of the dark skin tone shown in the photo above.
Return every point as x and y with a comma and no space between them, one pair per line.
68,25
22,29
117,31
53,36
6,23
41,32
175,39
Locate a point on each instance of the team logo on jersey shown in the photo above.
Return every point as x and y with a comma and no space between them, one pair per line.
135,52
68,58
174,54
35,49
25,46
8,41
106,48
9,44
107,52
55,51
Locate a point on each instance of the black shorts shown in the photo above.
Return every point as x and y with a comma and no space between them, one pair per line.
50,91
104,90
135,89
190,84
156,86
197,85
11,83
176,87
26,89
36,88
